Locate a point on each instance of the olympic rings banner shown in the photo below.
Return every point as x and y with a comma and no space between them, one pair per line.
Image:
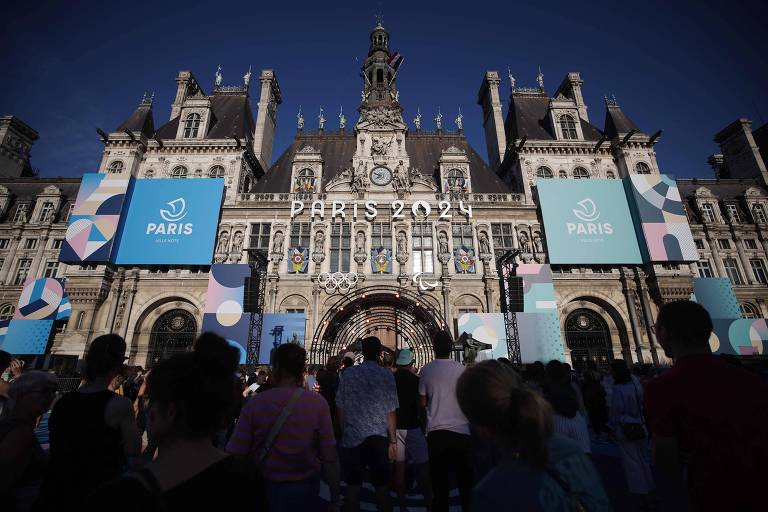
340,282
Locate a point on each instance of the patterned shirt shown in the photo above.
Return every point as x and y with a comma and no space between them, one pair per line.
367,394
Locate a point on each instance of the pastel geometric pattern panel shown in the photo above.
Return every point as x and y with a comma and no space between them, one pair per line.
43,299
717,296
749,337
538,289
661,215
540,337
280,328
486,328
223,312
27,336
95,218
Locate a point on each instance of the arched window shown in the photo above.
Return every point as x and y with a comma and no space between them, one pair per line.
216,171
149,174
191,126
562,175
179,172
568,127
642,168
610,175
749,310
115,167
305,181
580,173
80,319
543,172
173,333
7,311
455,181
758,214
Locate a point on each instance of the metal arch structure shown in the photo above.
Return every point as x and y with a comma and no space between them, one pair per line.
258,262
413,318
506,266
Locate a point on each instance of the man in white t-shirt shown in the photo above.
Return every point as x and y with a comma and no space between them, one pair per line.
448,437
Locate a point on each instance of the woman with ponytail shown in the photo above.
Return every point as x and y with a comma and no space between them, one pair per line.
187,400
539,471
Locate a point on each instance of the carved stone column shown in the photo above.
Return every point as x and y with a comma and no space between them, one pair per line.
38,258
743,257
361,251
715,252
114,295
131,292
5,274
630,298
642,291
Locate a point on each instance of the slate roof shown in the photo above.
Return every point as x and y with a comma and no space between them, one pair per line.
337,150
723,189
528,116
26,189
617,123
231,117
140,121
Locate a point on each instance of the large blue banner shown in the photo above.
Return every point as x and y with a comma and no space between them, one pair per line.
171,222
588,222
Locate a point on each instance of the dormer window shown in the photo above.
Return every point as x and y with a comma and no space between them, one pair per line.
115,167
544,172
455,181
305,181
568,127
46,212
179,172
642,168
216,171
733,212
708,212
758,214
20,215
580,173
191,126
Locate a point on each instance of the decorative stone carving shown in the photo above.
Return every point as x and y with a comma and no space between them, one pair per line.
237,246
360,253
381,116
484,242
537,243
402,180
359,181
402,248
522,239
223,244
379,147
443,253
318,249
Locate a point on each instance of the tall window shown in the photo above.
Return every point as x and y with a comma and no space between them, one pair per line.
300,233
422,247
544,172
699,243
22,271
455,181
568,127
750,243
708,212
758,268
51,268
56,244
7,311
733,212
503,239
46,212
704,268
216,171
4,242
305,181
382,235
68,213
749,310
732,269
20,215
179,172
758,213
259,237
724,243
341,239
115,167
191,126
580,173
30,243
642,168
462,235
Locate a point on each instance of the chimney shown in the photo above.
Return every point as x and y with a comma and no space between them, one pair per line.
186,86
495,137
266,118
740,151
571,88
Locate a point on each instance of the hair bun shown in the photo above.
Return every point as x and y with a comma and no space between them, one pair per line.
215,353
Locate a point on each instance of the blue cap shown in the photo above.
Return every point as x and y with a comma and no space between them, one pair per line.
405,357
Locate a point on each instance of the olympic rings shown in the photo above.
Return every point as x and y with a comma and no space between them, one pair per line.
337,281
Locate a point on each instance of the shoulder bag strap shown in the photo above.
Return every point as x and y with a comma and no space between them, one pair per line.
278,425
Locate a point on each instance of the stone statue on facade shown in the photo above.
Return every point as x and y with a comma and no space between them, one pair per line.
442,243
237,242
321,119
485,244
537,242
460,121
360,243
300,120
439,119
247,77
219,78
402,180
277,243
511,79
523,242
540,79
417,119
342,119
319,247
379,147
402,247
221,247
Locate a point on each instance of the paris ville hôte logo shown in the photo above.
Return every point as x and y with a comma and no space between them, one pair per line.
588,214
173,215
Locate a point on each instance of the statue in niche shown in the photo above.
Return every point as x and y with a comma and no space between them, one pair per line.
277,243
221,247
485,244
237,242
402,180
537,242
360,180
402,246
360,243
442,243
319,243
523,241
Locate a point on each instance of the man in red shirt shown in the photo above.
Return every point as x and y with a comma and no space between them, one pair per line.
709,419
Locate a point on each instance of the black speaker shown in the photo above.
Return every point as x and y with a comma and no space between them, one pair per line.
251,297
515,290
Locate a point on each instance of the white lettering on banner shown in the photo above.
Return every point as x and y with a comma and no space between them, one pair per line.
177,211
588,213
419,209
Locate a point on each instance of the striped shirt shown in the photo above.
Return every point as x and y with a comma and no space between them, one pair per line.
295,453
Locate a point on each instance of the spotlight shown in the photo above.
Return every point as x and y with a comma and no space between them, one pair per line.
341,308
418,304
397,295
363,295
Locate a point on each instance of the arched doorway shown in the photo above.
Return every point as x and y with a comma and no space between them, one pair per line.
398,317
174,332
588,338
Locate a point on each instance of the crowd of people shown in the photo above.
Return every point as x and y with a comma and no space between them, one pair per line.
193,433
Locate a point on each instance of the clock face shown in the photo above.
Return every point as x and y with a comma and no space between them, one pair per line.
381,176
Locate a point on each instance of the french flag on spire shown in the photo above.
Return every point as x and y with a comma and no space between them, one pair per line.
395,60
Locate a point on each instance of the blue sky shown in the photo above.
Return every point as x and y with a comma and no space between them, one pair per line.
687,67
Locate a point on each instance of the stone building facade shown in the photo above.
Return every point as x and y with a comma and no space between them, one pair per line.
434,195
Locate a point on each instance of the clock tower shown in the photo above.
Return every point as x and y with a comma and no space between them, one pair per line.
381,163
